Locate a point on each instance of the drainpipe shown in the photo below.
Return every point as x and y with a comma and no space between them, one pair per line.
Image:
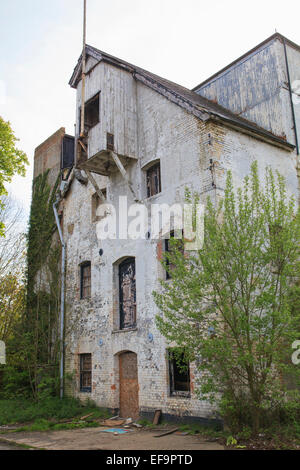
62,300
291,96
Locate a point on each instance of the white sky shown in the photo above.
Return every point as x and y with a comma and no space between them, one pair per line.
184,41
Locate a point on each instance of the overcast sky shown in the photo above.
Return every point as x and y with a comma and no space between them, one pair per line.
184,41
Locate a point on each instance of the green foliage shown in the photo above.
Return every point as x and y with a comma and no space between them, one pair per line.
33,351
242,286
54,409
12,301
12,160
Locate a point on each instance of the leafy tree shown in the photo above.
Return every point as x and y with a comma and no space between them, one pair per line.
13,245
12,160
12,302
234,304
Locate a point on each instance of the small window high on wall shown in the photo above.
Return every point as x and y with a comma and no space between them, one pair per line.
85,280
92,112
153,180
85,372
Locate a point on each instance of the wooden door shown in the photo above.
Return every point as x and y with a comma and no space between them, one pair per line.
129,387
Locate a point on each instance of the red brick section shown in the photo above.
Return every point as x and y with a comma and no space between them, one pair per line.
47,154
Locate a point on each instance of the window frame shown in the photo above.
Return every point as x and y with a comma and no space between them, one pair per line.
155,165
88,126
85,389
172,381
83,266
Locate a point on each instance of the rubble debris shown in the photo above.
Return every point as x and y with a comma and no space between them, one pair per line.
113,423
157,416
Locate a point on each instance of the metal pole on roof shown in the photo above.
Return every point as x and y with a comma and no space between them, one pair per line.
83,71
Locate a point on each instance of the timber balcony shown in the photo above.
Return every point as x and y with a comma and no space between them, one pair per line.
104,162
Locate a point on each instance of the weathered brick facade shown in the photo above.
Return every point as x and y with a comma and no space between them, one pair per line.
196,153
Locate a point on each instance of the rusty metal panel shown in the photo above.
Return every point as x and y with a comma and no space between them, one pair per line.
127,294
129,388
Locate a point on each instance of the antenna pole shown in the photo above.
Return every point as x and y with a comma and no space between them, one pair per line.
83,72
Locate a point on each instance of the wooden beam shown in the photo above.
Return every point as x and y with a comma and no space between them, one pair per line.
94,183
124,174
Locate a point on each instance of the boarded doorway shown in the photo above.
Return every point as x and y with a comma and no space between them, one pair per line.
129,388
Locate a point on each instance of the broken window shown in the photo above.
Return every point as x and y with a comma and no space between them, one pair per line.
127,292
153,180
170,246
96,202
85,280
85,373
179,371
92,110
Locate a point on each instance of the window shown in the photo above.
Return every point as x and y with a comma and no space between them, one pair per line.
153,180
86,373
127,294
96,202
110,141
169,247
91,115
85,280
179,371
67,152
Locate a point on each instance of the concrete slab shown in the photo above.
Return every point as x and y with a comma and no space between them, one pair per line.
95,439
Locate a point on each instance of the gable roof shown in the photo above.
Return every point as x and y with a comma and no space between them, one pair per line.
189,100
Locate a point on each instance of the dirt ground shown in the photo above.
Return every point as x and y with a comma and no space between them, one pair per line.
96,439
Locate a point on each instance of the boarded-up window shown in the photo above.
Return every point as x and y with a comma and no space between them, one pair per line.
85,280
127,290
153,180
170,247
179,371
85,372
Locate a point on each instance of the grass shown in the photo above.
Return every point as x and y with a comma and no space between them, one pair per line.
45,414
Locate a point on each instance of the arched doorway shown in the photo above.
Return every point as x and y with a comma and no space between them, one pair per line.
129,386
